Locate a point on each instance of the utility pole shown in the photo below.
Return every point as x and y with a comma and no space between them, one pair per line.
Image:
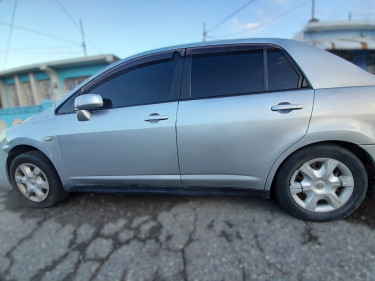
350,15
313,19
83,38
204,32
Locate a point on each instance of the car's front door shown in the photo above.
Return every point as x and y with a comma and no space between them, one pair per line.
132,139
241,108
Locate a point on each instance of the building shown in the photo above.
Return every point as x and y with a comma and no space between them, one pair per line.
351,40
29,85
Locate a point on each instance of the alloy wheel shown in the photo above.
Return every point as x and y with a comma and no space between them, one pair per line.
32,182
322,185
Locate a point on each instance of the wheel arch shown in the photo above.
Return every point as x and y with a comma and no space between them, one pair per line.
21,149
365,158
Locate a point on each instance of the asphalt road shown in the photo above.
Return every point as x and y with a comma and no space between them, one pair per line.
162,237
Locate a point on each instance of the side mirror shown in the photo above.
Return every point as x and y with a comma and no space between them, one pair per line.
85,103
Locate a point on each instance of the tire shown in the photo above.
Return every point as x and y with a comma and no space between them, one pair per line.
321,183
33,176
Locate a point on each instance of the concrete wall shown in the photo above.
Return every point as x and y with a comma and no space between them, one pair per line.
64,73
343,33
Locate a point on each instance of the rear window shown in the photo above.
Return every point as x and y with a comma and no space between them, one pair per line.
227,74
281,74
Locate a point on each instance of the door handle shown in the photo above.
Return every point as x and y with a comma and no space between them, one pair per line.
154,117
286,106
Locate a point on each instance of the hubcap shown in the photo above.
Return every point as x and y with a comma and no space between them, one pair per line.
322,185
32,182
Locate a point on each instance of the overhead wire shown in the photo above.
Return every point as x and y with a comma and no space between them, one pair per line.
231,15
265,22
68,14
40,33
41,50
77,25
10,33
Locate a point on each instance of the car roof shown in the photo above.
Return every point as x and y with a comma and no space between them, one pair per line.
321,68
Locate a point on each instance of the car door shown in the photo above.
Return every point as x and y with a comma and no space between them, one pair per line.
241,107
132,139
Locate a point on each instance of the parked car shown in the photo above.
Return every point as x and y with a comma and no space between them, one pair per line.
267,116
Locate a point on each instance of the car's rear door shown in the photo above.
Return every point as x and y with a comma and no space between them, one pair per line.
241,107
132,139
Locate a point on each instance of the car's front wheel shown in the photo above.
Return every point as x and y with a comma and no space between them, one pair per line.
321,183
33,176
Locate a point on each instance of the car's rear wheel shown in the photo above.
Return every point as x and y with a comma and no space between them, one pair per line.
33,176
321,183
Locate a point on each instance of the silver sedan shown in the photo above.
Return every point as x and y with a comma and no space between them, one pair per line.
260,117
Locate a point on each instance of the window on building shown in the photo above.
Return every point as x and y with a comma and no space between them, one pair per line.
71,83
281,74
28,93
45,87
12,92
227,74
345,54
147,84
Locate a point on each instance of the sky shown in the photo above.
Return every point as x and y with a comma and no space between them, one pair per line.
48,30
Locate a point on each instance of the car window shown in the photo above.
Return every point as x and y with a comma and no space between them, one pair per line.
146,84
227,74
281,74
68,105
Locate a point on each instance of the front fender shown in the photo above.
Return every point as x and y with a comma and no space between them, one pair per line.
39,135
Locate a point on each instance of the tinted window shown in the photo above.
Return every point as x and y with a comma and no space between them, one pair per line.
281,74
68,106
147,84
227,74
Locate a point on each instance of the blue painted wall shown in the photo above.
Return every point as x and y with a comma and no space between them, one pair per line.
8,115
8,81
40,75
24,78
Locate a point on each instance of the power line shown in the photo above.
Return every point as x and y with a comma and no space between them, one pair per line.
41,49
10,33
40,33
42,52
37,48
231,15
78,26
92,44
266,22
68,14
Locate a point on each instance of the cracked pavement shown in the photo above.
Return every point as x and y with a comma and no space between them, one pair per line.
167,237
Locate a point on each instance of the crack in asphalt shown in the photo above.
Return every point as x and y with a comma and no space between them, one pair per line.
308,235
188,242
22,240
147,228
263,252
